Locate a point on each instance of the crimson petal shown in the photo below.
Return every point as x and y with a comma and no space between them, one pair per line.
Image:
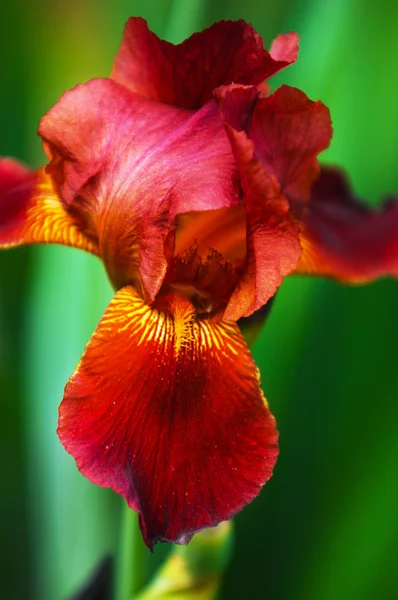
168,411
186,74
272,235
345,238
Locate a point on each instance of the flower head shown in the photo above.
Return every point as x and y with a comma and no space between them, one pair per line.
193,184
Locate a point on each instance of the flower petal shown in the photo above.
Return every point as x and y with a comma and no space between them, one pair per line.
132,165
186,74
285,47
272,236
168,411
31,212
345,238
289,131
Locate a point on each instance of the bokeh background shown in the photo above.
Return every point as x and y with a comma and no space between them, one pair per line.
326,526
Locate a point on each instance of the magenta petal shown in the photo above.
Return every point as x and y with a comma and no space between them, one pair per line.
285,47
131,165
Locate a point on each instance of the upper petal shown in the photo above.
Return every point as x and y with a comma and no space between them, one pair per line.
272,240
289,131
132,165
344,238
168,411
272,236
186,74
31,212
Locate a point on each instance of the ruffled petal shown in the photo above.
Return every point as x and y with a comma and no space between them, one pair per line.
31,212
185,75
168,411
289,131
132,165
272,236
345,238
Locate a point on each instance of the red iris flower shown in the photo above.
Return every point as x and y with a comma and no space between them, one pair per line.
193,184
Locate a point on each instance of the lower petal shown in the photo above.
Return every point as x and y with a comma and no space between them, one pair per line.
168,411
31,212
344,238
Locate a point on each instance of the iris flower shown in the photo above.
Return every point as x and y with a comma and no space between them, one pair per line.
194,184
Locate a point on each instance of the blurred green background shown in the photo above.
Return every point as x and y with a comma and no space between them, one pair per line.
325,527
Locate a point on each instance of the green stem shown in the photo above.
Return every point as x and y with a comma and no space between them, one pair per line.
130,563
193,572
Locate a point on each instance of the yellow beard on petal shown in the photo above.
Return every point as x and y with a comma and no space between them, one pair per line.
184,313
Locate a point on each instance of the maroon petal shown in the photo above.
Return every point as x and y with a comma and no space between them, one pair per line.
186,74
168,411
345,238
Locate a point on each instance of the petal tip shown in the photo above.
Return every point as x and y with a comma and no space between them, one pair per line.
285,47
